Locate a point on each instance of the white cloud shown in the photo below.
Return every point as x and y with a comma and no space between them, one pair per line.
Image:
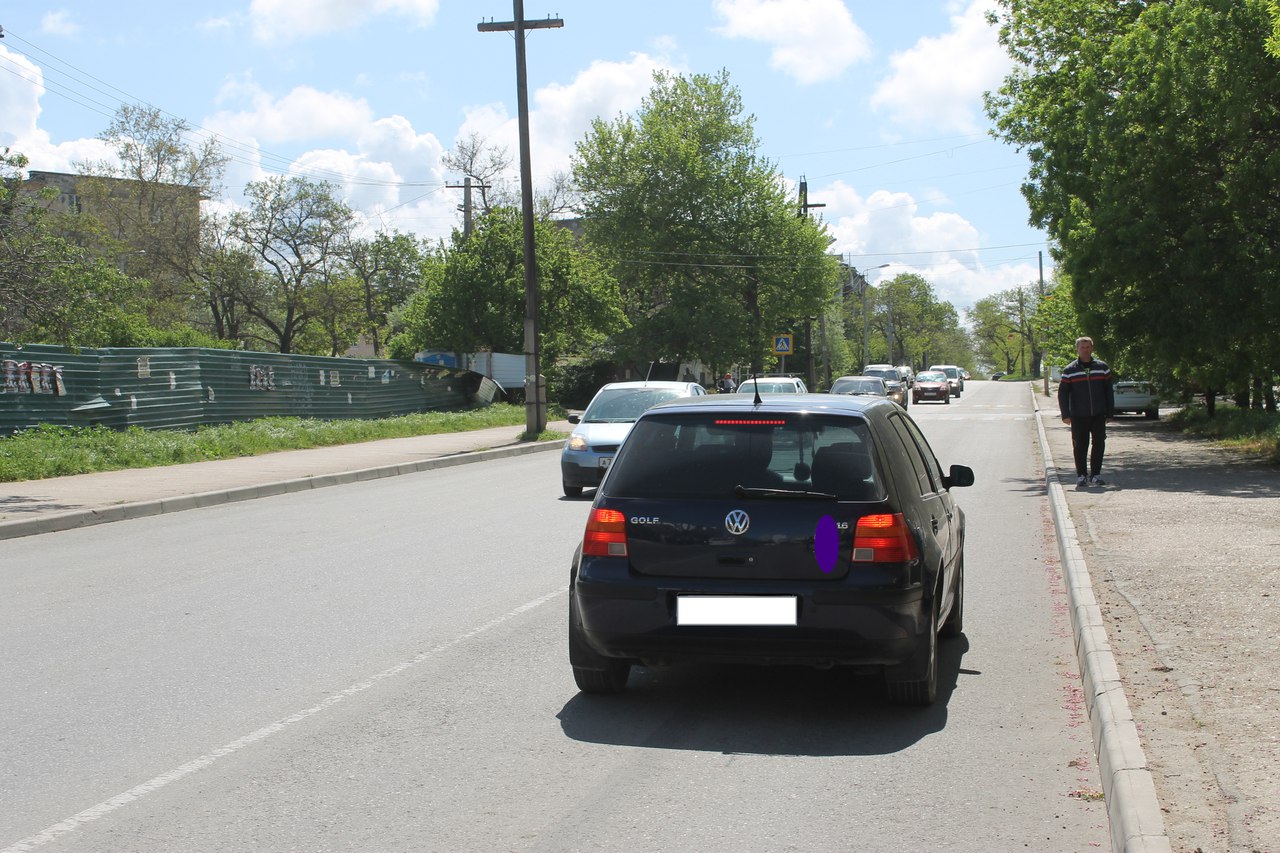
20,94
886,227
560,115
286,20
58,23
938,84
304,113
813,40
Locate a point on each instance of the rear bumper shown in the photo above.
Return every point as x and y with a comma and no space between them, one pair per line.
836,625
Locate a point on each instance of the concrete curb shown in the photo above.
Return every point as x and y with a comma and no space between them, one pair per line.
1133,809
55,522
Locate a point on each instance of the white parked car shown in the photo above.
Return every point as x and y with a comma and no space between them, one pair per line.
608,418
773,385
1136,395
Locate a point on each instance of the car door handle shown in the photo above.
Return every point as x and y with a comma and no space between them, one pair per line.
934,519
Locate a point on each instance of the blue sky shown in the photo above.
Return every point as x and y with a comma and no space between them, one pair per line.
877,105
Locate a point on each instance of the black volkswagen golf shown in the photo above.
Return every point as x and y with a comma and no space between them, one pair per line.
809,529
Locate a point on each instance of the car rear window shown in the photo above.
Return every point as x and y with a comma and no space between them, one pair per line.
857,386
709,455
623,405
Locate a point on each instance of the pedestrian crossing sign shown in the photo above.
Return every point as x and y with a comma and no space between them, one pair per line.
782,345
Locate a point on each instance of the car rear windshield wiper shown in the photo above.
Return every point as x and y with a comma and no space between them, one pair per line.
745,492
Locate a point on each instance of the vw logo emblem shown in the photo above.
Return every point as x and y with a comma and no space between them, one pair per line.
737,522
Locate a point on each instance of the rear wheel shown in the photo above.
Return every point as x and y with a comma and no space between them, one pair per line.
571,491
593,672
1152,414
921,687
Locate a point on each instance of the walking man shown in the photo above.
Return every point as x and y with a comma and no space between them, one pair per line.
1087,401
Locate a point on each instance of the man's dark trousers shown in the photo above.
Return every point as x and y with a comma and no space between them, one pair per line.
1085,432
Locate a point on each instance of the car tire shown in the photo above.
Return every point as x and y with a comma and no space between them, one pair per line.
922,691
1152,414
571,491
592,672
954,626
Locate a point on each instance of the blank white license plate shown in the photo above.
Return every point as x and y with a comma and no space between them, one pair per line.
735,610
606,461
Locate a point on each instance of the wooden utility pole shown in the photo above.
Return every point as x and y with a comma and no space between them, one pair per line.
808,323
535,388
466,186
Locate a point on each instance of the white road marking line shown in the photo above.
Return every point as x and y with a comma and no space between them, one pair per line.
139,791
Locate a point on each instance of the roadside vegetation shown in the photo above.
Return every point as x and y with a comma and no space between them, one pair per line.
1253,431
55,451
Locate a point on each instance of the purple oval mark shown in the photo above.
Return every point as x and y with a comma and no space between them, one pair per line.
826,544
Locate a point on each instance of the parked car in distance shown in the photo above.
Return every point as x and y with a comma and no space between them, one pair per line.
1136,395
773,385
894,388
608,418
867,386
954,377
931,385
995,377
810,529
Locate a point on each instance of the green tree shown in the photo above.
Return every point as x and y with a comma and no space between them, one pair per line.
388,270
143,208
1152,130
1058,322
477,301
698,228
297,230
909,324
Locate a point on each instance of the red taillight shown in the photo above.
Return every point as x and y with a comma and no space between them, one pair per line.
883,539
606,534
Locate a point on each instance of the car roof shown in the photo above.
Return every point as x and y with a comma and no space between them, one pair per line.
809,403
649,383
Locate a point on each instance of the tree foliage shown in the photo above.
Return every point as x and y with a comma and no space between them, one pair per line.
387,269
297,231
143,208
1153,130
476,300
710,255
909,325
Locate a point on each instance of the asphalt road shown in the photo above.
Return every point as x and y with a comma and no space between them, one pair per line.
382,666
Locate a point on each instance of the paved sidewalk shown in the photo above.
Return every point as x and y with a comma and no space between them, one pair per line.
1179,553
60,503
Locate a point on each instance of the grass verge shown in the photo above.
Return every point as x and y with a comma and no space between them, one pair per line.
55,451
1253,431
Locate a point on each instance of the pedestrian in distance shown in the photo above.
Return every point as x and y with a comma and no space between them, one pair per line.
726,385
1087,401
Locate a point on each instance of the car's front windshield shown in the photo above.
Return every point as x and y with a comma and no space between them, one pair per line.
624,405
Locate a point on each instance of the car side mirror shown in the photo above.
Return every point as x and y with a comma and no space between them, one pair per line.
574,419
961,475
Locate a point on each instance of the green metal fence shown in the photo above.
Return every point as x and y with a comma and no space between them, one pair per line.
182,388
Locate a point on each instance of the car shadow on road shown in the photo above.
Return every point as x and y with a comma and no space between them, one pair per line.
796,711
